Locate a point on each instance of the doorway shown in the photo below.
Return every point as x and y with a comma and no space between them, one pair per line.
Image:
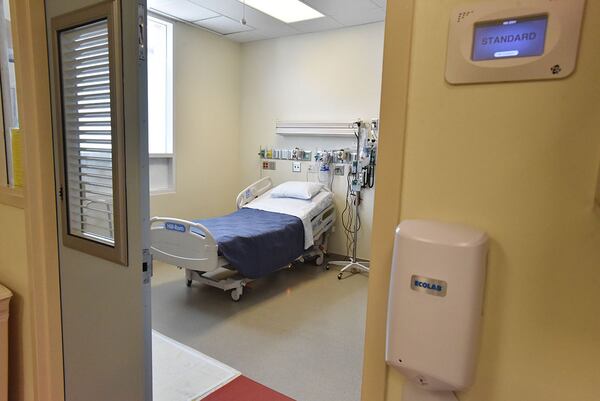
235,101
274,316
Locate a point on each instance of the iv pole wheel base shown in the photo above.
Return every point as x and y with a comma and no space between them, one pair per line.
340,276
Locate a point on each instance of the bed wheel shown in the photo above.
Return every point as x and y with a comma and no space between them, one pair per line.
236,294
319,260
188,283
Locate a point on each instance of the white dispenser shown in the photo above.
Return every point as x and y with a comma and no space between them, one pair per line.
435,307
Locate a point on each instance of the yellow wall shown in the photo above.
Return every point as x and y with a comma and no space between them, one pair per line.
206,84
13,274
519,160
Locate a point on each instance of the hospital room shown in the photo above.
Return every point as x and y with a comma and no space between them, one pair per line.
263,136
311,200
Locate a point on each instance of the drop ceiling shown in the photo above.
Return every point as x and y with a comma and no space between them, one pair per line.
223,17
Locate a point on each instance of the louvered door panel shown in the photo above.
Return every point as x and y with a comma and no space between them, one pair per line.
87,125
93,210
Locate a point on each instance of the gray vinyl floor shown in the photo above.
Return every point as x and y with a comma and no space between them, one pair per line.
298,331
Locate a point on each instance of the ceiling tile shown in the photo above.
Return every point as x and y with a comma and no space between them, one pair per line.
182,9
317,24
337,7
223,17
360,17
380,3
223,25
248,36
230,8
234,10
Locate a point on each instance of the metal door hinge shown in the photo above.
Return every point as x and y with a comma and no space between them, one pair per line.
147,268
141,32
61,194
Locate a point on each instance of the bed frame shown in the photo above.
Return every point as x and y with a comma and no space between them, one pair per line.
174,242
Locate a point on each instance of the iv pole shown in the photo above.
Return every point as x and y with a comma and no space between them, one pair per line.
353,265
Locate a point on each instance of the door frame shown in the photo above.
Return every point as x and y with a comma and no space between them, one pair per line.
386,211
32,75
40,207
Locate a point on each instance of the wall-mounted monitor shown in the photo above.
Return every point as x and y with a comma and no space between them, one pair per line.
512,37
513,41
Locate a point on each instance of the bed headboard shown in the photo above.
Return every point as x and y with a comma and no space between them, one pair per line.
253,191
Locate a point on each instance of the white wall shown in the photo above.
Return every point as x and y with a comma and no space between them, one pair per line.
325,76
228,96
206,98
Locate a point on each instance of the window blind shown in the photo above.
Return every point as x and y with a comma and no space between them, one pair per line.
88,131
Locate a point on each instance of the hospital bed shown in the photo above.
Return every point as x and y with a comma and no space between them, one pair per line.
265,234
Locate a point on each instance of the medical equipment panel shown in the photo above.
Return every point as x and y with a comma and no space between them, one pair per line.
514,41
435,303
361,158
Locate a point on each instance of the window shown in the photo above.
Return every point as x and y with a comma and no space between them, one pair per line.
91,137
160,105
10,172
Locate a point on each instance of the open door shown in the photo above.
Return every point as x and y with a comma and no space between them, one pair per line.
98,75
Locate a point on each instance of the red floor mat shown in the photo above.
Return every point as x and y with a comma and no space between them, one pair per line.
244,389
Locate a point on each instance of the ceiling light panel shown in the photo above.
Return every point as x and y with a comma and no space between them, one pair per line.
287,11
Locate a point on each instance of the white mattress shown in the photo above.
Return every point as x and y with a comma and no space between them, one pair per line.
305,210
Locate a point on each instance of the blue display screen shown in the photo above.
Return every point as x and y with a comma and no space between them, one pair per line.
514,37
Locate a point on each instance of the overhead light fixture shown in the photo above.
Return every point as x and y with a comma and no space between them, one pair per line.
287,11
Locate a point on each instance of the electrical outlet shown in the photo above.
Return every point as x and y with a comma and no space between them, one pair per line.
267,165
339,169
296,167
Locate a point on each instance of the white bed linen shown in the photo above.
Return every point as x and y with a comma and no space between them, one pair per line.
305,210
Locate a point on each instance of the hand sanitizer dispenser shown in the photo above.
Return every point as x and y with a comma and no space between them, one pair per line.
435,307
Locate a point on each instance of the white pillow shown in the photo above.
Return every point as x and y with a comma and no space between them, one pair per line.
297,190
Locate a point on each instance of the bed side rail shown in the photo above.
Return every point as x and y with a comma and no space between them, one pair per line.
183,243
324,221
253,191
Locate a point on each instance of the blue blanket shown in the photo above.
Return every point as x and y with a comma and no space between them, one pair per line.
256,242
